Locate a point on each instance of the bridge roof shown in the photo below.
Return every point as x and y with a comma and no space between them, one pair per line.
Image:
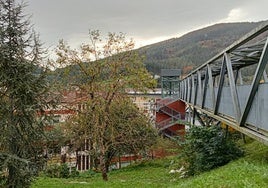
170,72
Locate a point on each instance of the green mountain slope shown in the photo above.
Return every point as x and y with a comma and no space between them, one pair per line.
194,48
186,52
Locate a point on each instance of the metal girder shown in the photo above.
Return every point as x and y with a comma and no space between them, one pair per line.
195,86
256,81
185,89
238,75
199,81
211,87
220,85
265,76
232,86
189,88
199,118
204,89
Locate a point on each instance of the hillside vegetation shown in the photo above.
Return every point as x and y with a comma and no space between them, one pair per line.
249,171
194,48
186,52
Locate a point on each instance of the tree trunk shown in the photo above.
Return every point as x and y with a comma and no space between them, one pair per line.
107,165
119,161
103,168
11,177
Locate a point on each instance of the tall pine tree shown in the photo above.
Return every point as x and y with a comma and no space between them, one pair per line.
22,91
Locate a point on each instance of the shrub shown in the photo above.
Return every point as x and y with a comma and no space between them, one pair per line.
74,173
52,171
64,171
205,148
60,171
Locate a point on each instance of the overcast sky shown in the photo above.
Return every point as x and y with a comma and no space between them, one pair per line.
146,21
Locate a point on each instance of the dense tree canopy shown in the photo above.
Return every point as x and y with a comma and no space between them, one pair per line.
193,48
22,97
127,130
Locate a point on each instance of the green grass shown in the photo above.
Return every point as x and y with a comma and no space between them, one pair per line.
249,171
145,174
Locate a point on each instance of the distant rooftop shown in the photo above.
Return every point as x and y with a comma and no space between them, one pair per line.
170,72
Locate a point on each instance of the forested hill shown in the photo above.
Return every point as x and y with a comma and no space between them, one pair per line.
194,48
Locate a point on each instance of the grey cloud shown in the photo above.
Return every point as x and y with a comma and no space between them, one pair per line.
56,19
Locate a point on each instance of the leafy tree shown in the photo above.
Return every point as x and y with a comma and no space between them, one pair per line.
131,129
22,97
107,70
128,131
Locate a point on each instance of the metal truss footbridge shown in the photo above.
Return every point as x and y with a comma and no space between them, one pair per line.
232,87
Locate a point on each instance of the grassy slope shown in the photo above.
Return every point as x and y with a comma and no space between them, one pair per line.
249,171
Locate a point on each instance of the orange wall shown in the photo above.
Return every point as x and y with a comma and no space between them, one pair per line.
161,116
178,106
